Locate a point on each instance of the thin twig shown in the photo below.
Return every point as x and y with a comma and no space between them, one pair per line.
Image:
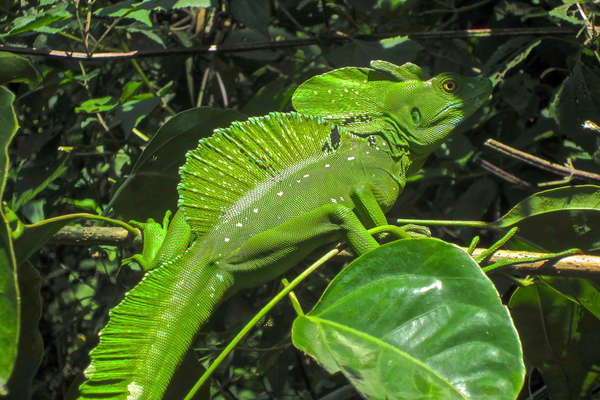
280,44
499,172
540,162
581,265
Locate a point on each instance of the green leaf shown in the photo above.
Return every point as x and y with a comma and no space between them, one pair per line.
93,106
414,319
557,219
127,9
41,21
134,111
576,198
576,102
9,292
560,338
580,291
253,14
563,13
193,3
32,180
274,96
156,169
398,50
14,68
508,56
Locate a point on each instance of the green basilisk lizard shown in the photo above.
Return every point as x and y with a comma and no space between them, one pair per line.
259,196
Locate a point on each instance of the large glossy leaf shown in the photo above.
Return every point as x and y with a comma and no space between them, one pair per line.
559,218
156,171
415,319
9,294
560,338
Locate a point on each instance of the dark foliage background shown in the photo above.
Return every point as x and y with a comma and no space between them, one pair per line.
84,123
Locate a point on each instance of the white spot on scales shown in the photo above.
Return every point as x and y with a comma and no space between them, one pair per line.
279,194
350,158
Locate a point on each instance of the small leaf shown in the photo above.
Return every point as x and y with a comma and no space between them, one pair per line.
563,13
93,106
134,111
14,68
414,319
41,21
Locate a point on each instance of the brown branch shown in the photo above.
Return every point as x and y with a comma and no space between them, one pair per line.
579,265
569,172
95,235
574,266
280,44
499,172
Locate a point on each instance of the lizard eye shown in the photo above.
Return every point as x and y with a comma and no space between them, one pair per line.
449,85
415,115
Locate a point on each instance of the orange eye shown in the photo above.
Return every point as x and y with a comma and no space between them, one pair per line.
449,85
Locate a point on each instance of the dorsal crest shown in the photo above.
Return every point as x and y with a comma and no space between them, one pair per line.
233,161
352,96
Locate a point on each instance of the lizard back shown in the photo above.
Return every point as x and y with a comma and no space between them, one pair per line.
257,174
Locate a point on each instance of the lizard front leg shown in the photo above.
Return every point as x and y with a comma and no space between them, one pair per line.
268,254
161,242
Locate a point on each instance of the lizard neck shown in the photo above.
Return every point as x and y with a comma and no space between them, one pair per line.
397,150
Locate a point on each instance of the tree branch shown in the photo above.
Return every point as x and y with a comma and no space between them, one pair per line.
279,44
574,266
568,172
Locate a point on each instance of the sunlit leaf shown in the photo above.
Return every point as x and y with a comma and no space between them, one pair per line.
415,319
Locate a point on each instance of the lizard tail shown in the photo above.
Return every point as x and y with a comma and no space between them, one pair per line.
150,331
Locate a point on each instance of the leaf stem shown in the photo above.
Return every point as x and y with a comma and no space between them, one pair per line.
569,171
244,331
440,222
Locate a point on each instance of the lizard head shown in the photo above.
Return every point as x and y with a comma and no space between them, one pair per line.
424,113
412,113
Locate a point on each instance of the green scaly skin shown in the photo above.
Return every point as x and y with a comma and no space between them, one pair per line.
258,197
